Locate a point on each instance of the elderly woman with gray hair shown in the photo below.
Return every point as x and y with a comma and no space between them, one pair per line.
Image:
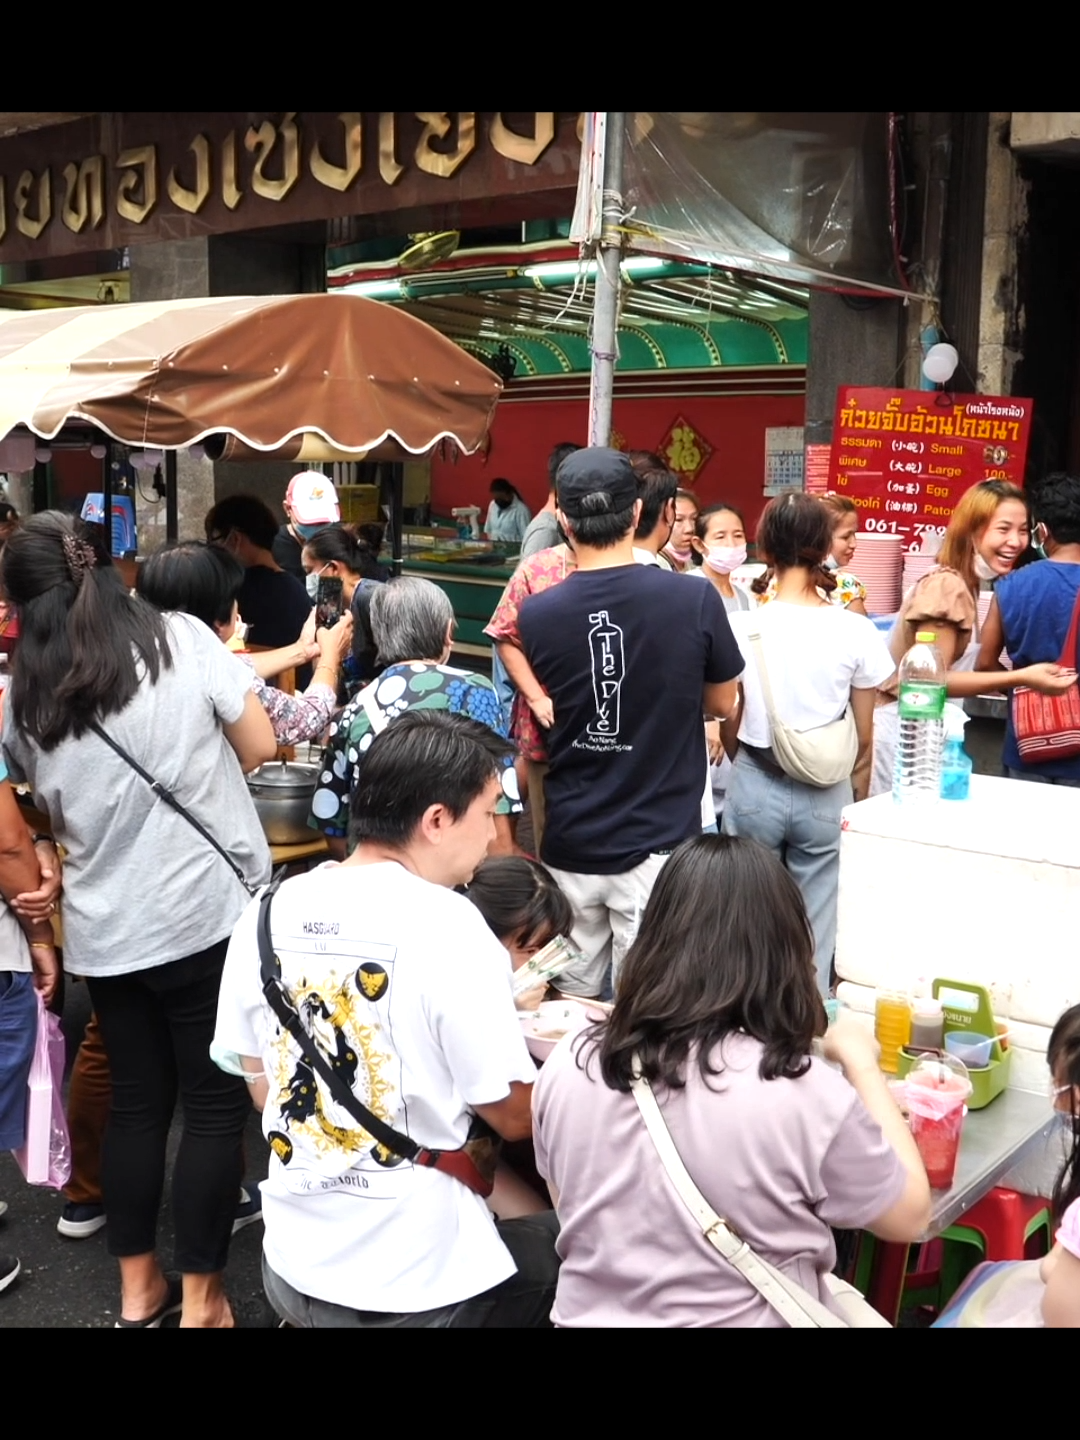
413,624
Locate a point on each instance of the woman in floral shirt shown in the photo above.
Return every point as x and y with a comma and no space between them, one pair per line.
203,580
413,625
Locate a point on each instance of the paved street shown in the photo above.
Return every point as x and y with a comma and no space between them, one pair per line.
74,1283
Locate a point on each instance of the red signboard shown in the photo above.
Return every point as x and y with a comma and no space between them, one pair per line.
905,457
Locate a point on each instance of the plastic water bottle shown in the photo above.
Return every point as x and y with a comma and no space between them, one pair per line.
956,766
917,774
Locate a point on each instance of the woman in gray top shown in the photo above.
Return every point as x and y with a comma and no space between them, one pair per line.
149,904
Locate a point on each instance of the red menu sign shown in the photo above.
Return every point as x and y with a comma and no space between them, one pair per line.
905,457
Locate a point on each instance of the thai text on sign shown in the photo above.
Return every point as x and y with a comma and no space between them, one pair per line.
905,457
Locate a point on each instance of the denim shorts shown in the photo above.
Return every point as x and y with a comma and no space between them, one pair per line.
18,1035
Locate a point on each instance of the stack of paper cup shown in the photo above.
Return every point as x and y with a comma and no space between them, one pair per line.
878,562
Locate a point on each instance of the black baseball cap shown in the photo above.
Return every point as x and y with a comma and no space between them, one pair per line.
595,470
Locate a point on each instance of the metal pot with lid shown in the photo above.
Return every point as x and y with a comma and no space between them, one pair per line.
282,791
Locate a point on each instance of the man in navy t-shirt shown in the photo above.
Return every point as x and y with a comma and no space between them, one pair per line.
631,657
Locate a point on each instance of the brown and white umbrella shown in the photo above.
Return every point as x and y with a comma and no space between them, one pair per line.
307,377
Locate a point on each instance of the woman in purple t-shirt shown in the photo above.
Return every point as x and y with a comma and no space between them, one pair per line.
718,996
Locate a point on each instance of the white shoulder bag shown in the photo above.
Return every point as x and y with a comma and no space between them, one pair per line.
797,1306
822,756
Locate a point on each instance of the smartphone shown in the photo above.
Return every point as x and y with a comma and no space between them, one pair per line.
328,602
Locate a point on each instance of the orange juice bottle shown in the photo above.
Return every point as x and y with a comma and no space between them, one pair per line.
892,1026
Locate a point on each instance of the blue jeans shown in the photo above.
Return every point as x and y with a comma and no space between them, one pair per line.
504,686
1043,779
18,1035
800,824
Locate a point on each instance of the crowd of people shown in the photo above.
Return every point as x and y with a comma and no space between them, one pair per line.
367,1007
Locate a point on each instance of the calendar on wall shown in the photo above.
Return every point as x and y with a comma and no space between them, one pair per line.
784,458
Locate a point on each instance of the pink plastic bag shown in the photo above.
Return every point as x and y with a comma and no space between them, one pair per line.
45,1159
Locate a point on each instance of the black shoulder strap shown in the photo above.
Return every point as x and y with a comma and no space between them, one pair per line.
277,999
164,793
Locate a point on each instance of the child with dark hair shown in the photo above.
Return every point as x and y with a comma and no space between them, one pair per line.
1038,1294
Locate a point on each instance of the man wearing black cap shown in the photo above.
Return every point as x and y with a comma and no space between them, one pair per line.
631,657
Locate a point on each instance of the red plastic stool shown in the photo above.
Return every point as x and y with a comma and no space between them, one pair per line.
1005,1220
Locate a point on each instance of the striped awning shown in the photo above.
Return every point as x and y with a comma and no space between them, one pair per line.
270,371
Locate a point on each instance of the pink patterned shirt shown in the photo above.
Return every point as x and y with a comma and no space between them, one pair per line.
536,573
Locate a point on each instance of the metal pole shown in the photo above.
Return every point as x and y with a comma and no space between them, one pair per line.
106,504
172,523
606,290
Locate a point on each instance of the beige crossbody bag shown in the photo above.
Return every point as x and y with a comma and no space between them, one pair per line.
797,1306
823,756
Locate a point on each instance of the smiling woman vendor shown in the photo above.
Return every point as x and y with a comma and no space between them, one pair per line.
990,529
508,516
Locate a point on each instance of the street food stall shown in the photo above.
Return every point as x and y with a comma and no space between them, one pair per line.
304,378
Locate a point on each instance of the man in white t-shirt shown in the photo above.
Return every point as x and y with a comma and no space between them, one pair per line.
406,993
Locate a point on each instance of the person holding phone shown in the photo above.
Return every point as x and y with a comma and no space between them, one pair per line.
336,553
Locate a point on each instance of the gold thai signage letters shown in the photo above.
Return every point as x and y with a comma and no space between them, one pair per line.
231,171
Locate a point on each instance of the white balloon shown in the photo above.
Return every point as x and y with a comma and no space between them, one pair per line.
940,363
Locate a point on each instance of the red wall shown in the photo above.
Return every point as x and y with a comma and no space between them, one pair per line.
525,432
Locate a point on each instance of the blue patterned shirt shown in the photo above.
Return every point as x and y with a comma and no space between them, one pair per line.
400,688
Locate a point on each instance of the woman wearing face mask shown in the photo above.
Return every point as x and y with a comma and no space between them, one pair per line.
990,529
719,547
337,553
679,549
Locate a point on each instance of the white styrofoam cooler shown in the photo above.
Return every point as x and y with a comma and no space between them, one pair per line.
985,890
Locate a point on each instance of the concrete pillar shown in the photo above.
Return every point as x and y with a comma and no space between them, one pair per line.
219,265
1005,216
852,342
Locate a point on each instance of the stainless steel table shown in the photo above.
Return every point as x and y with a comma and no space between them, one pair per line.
993,1142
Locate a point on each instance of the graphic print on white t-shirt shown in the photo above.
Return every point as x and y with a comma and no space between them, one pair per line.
344,1003
608,660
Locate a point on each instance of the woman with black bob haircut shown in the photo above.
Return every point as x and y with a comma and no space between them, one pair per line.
204,581
718,1004
338,553
149,904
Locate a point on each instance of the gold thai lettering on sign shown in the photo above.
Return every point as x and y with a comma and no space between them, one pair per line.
336,160
389,167
340,177
192,201
84,194
140,177
437,125
523,148
230,190
261,142
30,226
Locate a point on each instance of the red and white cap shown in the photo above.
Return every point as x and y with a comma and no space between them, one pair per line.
312,499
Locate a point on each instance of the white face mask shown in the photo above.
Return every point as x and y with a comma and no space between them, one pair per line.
725,558
831,563
983,571
311,580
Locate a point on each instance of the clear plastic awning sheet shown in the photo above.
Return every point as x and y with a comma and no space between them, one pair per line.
803,197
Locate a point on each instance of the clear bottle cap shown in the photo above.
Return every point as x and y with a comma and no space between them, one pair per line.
928,1009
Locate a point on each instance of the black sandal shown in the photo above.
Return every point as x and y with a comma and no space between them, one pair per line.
171,1305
